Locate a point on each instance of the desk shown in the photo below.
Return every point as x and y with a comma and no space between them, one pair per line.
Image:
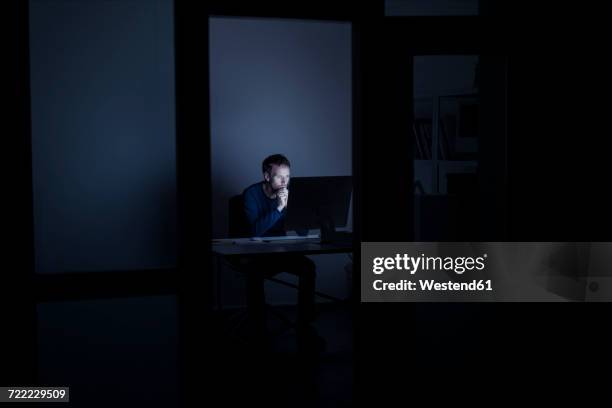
313,247
228,248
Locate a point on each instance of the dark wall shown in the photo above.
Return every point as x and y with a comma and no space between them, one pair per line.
103,135
104,197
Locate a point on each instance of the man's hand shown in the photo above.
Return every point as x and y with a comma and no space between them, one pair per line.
283,198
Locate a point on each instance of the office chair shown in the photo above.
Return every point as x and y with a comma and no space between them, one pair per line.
238,225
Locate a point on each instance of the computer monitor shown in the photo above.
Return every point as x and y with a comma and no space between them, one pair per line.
313,199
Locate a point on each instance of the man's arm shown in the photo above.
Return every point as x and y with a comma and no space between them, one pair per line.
259,223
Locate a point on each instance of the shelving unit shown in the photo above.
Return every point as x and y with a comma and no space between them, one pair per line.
445,143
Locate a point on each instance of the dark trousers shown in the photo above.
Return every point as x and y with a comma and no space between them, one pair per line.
258,268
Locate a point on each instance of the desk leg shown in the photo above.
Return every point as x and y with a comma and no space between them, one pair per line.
256,303
219,261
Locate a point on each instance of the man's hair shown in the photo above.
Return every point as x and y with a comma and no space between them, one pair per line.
277,159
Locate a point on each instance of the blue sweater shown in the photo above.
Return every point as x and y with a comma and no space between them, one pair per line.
262,213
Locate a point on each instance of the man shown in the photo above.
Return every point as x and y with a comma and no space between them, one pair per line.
265,207
265,203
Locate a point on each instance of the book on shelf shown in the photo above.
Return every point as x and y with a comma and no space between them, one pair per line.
426,139
418,148
423,141
423,138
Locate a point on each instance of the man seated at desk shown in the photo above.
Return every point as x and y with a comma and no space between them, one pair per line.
265,202
265,205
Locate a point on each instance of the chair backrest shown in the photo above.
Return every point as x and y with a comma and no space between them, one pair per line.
238,225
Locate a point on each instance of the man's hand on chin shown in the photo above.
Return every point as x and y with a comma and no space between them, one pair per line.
283,198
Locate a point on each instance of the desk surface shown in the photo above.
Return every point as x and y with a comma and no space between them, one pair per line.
237,248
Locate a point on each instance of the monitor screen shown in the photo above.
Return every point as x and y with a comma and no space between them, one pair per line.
314,198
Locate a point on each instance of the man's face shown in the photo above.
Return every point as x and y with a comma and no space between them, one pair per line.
278,177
